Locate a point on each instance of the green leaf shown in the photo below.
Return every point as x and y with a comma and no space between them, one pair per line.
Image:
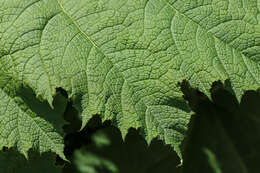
28,123
13,162
123,59
213,161
86,162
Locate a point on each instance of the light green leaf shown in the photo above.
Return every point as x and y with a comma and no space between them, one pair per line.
28,123
212,161
123,59
87,162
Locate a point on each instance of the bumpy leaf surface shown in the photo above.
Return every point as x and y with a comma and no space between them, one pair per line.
28,123
123,59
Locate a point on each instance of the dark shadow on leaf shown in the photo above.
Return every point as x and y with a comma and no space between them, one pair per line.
177,103
42,108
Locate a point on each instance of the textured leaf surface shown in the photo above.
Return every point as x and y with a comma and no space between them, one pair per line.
28,123
224,137
124,59
13,162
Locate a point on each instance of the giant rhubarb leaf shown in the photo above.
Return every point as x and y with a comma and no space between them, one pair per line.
123,59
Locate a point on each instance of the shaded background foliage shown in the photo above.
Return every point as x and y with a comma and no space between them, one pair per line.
224,136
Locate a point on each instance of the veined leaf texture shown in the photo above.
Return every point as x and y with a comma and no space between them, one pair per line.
120,59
